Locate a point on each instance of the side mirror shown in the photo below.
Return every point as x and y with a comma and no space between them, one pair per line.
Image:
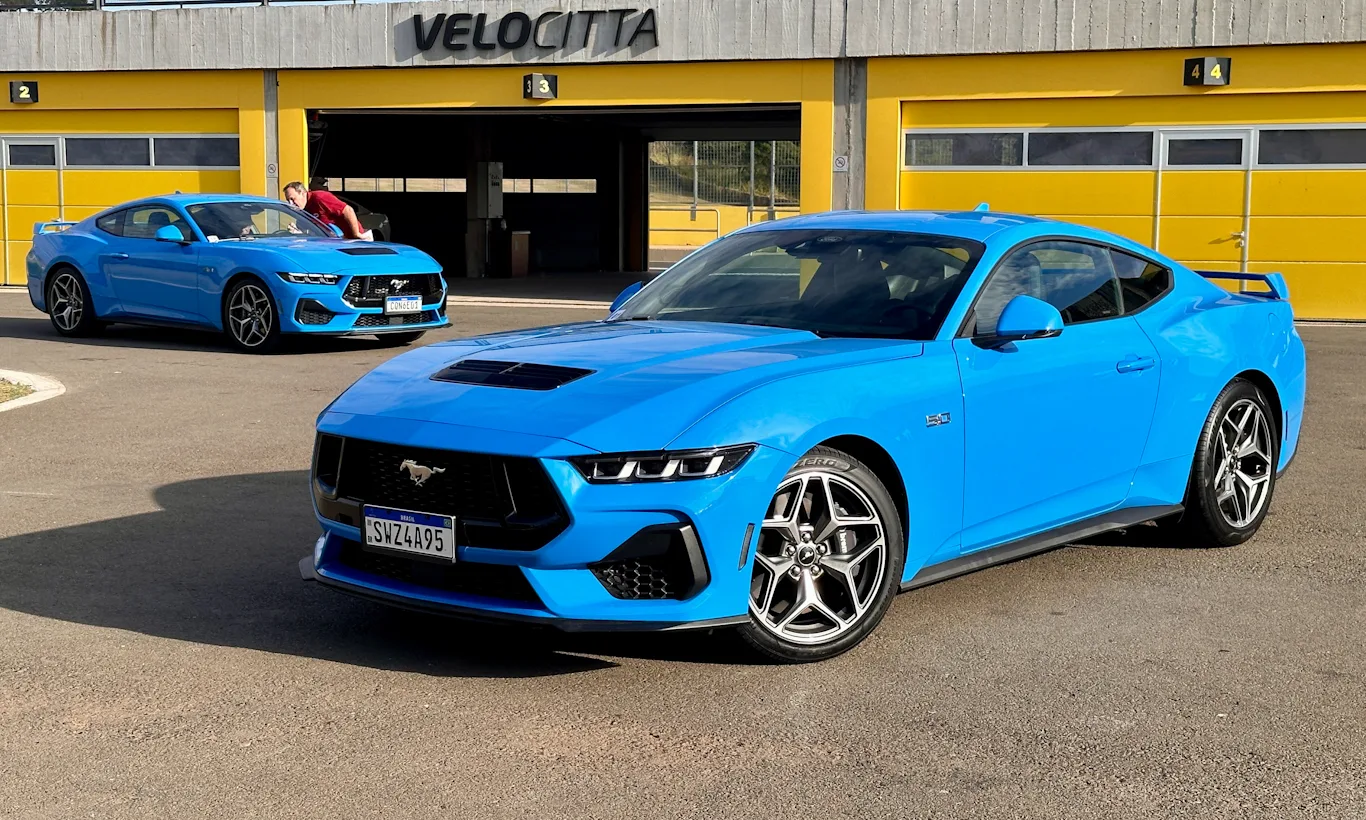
169,233
1027,318
336,231
631,290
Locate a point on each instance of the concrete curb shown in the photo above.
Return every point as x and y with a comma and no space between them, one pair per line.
43,388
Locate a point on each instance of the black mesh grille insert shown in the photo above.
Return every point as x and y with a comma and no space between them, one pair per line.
399,320
312,312
369,291
497,501
655,564
486,580
522,375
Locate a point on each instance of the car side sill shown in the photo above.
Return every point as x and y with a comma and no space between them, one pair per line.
1042,542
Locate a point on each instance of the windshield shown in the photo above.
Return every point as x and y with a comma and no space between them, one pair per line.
243,220
831,282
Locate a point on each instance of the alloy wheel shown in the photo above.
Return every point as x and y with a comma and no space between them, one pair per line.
1244,457
67,301
250,315
820,561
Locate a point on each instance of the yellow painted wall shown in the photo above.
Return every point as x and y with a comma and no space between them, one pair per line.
188,102
675,225
1298,218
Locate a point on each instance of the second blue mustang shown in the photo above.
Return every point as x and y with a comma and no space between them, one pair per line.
806,416
249,267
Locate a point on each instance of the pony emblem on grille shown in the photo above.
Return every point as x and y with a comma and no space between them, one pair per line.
418,473
397,284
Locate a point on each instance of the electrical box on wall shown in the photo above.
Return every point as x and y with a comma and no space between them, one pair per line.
486,189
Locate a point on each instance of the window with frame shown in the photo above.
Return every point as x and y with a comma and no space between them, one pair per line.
924,150
1091,148
32,155
143,223
1312,146
110,151
197,152
1077,279
1140,282
111,223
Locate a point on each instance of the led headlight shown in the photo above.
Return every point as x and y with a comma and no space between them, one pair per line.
672,465
310,278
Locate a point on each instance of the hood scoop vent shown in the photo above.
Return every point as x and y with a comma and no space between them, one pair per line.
369,250
522,375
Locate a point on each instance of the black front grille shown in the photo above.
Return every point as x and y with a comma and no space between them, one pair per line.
524,375
397,320
486,580
498,501
370,291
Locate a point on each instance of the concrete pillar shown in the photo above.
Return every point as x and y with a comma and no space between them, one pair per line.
851,128
272,117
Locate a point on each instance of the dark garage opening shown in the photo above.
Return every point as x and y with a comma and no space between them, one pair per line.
575,187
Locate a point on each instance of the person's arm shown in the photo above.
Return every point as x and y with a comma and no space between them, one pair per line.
353,228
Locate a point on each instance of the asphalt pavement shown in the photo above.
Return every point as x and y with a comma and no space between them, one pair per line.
159,656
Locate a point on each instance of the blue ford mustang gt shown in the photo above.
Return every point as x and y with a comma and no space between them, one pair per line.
804,417
249,267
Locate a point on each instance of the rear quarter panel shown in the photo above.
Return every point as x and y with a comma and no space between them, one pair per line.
1206,337
80,247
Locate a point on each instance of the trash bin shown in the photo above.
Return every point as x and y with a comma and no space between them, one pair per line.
521,252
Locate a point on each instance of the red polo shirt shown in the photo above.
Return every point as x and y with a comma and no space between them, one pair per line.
327,209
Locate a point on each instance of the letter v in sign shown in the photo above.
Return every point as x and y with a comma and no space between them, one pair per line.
427,39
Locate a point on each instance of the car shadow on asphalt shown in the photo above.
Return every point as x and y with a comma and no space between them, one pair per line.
169,338
218,564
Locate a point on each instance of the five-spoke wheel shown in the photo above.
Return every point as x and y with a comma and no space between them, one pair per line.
249,317
828,560
1234,473
69,305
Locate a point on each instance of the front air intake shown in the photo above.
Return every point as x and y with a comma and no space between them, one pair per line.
522,375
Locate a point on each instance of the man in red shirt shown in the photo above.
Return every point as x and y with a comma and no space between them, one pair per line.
324,206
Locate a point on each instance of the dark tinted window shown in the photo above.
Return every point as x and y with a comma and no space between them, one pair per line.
111,223
108,151
964,149
1140,281
200,152
831,282
142,223
1220,151
1327,146
1077,279
1091,148
33,156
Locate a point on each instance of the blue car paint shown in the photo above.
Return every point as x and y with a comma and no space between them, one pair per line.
157,282
1042,433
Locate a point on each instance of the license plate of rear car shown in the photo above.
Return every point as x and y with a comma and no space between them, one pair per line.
402,304
408,531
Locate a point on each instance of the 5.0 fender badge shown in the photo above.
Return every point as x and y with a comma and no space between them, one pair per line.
936,419
418,473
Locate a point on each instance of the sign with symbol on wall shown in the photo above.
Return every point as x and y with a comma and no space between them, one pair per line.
841,164
540,87
1208,71
23,91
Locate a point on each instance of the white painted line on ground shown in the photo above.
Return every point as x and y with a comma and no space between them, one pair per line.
509,301
43,388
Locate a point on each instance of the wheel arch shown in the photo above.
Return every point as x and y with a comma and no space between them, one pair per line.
230,283
1273,396
877,459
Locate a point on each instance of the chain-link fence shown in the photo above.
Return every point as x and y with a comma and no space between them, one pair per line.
726,172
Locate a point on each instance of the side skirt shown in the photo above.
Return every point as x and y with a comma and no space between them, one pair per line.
1034,544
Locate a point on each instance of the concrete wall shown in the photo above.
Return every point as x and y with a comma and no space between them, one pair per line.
382,34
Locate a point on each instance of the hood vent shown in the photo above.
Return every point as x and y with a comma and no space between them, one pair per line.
369,250
523,375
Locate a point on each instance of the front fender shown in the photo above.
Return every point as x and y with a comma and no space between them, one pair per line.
887,403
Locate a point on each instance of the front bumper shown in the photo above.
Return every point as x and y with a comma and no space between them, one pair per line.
724,513
322,310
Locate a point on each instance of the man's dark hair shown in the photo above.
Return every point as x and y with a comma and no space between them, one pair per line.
299,186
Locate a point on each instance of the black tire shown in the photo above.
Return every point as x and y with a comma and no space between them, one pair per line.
399,339
857,590
258,330
1211,518
69,305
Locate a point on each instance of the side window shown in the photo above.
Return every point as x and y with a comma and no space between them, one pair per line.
142,223
1140,281
111,223
1078,279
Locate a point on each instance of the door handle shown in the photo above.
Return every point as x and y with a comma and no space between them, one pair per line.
118,256
1131,363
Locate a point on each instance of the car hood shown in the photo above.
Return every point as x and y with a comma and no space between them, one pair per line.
318,255
650,381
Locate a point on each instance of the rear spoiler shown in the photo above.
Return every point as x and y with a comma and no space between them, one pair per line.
1275,283
54,226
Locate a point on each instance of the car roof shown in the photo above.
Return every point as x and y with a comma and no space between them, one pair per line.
966,224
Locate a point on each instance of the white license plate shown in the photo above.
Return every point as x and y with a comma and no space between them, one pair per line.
420,533
402,304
